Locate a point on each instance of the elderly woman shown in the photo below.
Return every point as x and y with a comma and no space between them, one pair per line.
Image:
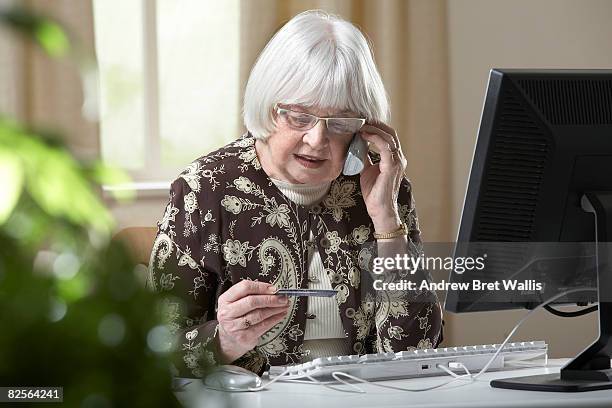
272,210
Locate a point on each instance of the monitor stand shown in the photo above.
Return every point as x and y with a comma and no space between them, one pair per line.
590,370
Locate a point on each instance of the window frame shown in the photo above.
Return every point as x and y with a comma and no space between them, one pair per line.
148,181
152,179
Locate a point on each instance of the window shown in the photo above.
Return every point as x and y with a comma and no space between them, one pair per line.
169,77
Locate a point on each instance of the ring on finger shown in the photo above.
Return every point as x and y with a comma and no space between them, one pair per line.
246,323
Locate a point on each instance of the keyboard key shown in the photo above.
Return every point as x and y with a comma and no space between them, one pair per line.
369,358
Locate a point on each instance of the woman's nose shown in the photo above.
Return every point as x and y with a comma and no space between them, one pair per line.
317,136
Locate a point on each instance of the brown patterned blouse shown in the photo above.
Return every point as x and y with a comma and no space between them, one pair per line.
226,221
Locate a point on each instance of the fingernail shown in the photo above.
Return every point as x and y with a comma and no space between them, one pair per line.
283,299
273,289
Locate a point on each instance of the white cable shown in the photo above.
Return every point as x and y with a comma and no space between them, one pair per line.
452,373
275,379
296,380
335,374
310,381
527,316
447,370
359,390
461,365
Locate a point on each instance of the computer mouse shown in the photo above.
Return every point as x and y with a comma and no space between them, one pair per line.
231,378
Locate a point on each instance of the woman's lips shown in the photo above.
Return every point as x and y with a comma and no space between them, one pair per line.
308,162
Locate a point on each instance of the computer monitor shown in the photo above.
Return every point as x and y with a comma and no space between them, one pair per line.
541,179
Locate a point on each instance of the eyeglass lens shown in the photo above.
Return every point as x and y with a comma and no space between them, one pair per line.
304,121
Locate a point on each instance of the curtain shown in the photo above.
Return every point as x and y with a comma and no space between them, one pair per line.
44,92
409,40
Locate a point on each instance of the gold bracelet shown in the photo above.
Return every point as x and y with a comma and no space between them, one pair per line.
402,230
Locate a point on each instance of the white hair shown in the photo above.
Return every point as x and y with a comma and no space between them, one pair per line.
319,60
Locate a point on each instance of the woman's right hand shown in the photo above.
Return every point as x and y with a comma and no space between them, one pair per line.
245,312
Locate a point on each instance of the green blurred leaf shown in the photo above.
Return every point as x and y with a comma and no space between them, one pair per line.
75,288
56,184
113,176
48,34
11,173
52,38
55,180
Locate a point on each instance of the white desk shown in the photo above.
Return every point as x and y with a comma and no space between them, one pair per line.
460,394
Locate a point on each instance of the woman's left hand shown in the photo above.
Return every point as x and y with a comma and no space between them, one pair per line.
380,182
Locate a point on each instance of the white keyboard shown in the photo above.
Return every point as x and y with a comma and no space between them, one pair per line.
417,363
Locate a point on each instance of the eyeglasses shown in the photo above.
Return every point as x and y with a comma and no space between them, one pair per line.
306,121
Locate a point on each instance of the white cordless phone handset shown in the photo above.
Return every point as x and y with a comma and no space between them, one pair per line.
356,156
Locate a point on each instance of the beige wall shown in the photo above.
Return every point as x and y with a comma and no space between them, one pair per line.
144,212
484,34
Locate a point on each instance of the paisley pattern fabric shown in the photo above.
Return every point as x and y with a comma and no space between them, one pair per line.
226,221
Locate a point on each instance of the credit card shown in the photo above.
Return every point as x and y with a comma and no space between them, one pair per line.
306,292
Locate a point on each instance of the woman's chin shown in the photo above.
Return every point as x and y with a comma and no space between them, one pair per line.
309,176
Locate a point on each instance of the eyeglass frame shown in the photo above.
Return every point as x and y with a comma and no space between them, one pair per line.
278,108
